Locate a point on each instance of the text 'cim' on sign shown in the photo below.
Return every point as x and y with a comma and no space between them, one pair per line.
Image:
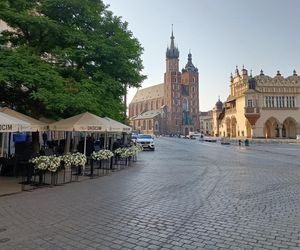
94,128
5,127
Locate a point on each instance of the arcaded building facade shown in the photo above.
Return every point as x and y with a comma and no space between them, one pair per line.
171,107
259,107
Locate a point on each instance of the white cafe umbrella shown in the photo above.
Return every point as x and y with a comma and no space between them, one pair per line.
35,125
11,124
85,122
115,126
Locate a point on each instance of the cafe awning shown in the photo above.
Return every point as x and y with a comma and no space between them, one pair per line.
12,124
115,126
35,125
85,122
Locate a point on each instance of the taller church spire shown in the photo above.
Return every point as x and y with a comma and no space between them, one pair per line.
172,51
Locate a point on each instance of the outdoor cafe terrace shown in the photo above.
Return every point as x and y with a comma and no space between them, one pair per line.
36,154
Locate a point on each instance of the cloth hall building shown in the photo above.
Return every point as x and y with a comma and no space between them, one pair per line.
171,107
259,107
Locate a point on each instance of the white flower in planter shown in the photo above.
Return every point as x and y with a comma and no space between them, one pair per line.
103,154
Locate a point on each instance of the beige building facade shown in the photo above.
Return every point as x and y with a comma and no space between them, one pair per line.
206,123
171,107
259,107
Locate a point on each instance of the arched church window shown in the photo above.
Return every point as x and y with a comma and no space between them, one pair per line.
136,109
156,126
185,104
144,124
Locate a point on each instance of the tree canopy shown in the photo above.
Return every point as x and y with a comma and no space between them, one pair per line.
63,57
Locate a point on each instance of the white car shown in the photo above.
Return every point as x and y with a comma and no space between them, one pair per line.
146,141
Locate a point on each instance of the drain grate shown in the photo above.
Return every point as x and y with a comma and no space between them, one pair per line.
4,240
2,230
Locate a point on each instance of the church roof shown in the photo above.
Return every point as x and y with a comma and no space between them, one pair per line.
149,93
148,114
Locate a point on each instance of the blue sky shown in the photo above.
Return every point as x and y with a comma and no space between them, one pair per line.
260,34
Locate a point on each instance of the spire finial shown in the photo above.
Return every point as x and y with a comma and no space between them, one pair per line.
172,50
237,70
251,73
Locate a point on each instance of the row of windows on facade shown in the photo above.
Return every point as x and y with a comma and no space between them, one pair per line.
177,95
185,103
175,80
147,125
206,125
178,86
276,102
142,106
280,102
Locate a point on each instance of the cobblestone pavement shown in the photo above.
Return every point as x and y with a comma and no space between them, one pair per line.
185,195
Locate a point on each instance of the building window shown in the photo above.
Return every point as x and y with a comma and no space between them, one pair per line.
185,105
250,103
272,101
283,101
156,126
136,109
293,102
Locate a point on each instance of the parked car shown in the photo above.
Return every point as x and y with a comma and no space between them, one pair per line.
209,139
133,137
146,141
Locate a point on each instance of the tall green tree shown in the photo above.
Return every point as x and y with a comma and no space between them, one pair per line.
63,57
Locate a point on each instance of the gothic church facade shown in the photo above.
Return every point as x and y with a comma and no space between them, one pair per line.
171,107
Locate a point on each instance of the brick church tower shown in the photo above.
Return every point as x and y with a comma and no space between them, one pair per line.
171,107
181,93
172,90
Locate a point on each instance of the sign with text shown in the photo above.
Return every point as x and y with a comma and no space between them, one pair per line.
6,127
94,128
